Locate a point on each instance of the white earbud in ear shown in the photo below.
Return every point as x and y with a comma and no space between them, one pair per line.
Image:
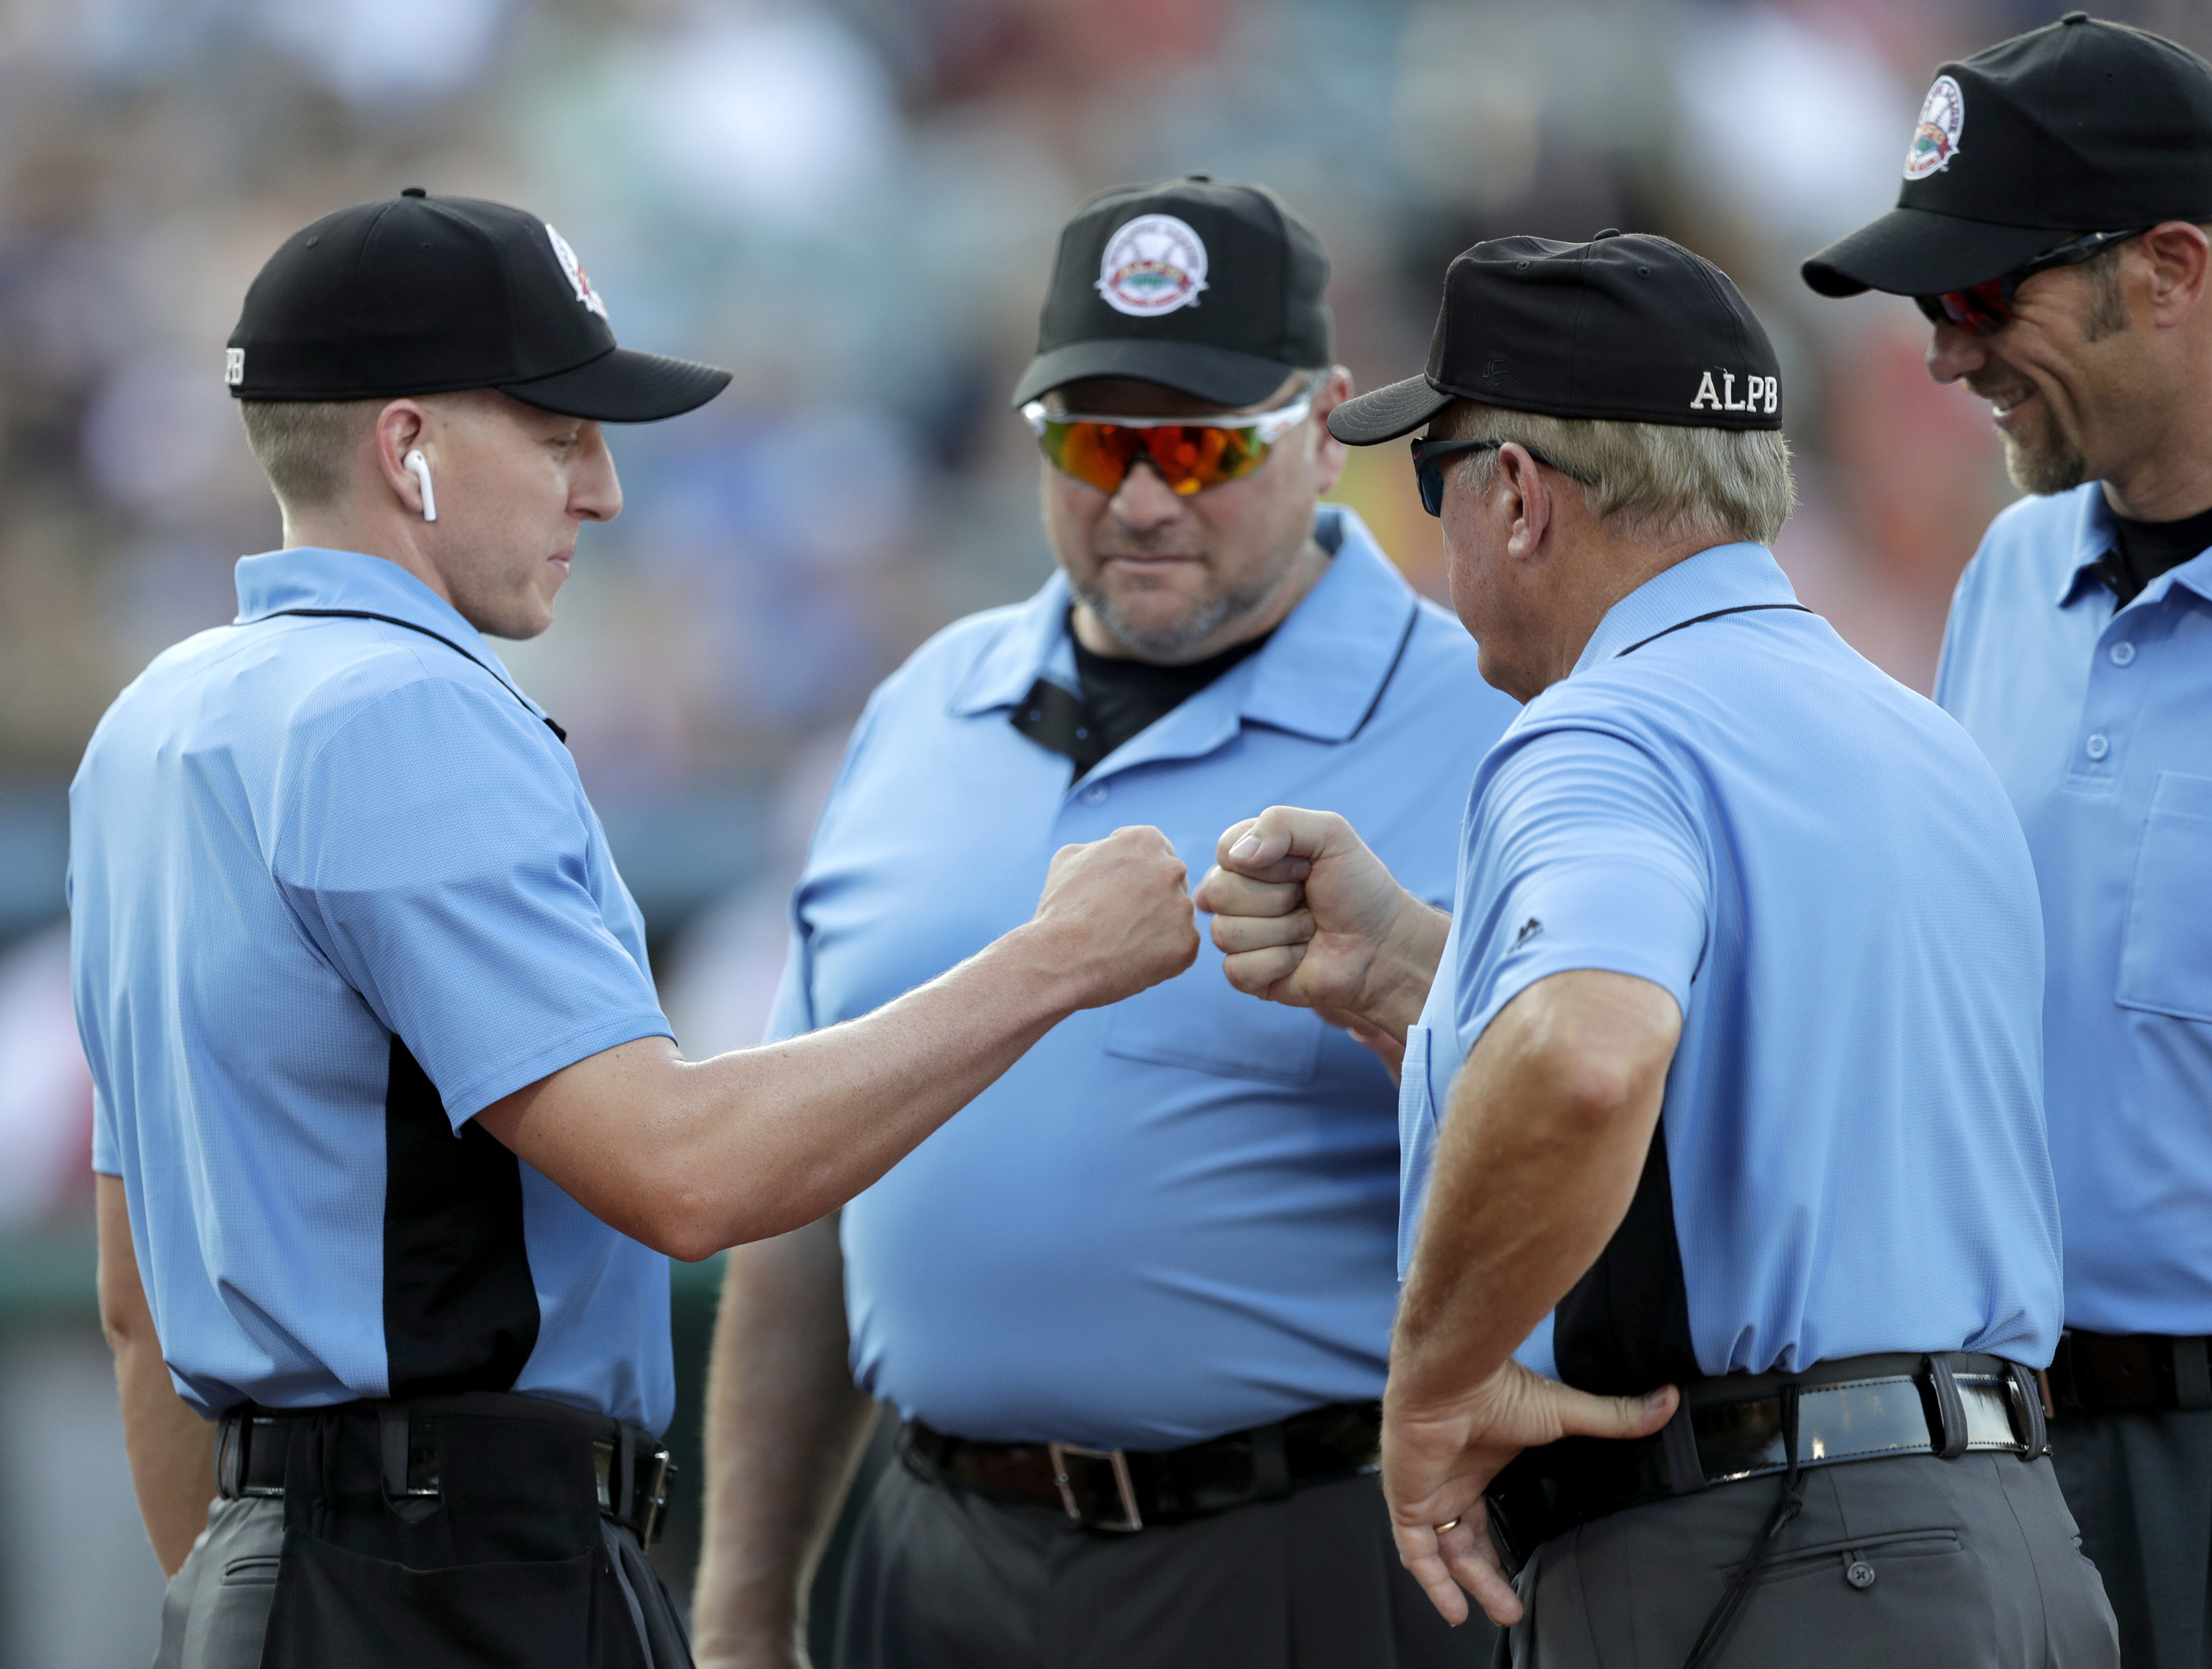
421,466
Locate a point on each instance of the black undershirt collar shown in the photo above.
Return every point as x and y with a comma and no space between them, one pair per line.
1121,699
2142,550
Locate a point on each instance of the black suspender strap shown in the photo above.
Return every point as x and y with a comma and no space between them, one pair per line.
394,620
1699,620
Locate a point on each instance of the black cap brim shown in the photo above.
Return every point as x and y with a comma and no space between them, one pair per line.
1917,251
1387,413
1221,375
622,385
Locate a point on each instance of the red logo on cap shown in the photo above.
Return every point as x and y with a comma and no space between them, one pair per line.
579,280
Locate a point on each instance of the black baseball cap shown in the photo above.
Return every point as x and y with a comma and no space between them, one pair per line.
2080,126
1211,288
417,294
1628,326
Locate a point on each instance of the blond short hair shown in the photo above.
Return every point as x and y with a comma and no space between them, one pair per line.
306,447
1662,481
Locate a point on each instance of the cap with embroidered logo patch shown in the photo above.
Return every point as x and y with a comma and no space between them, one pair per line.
1629,326
2080,126
1210,287
421,295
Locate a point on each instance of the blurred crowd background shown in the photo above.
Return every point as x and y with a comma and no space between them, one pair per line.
854,203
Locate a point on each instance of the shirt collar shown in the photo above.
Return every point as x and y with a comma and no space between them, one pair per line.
2094,534
1728,576
310,577
1318,676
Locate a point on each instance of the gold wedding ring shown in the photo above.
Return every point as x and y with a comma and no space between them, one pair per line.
1454,1525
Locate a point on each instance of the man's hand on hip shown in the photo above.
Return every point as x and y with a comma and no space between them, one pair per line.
1118,915
1305,914
1437,1461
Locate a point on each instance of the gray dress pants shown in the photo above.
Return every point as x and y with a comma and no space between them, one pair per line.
1906,1563
2141,1484
216,1609
216,1612
939,1577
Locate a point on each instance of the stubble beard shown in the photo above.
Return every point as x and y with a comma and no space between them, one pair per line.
1173,642
2045,463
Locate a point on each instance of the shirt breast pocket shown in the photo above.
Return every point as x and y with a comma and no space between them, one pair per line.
2165,959
1199,1020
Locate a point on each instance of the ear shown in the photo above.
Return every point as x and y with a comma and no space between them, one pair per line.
1528,501
2176,257
1329,453
401,427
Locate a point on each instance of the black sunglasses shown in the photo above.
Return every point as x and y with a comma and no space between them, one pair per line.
1429,458
1985,308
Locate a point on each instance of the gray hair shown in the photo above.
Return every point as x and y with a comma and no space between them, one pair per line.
1662,480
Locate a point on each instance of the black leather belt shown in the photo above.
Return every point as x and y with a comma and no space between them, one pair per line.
2128,1373
631,1468
1128,1489
1729,1428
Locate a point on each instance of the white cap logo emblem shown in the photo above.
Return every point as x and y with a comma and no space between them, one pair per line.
1153,265
578,280
1935,140
233,366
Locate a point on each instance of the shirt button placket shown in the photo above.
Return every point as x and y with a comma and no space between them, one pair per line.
2122,653
2097,747
1094,795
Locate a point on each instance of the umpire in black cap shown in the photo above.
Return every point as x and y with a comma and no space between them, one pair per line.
394,1142
1132,1308
1734,1250
2052,228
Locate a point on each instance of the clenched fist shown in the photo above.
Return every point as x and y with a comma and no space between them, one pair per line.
1118,915
1305,914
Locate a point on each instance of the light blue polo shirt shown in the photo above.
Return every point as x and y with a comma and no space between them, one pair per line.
1822,872
334,889
2100,724
1173,1217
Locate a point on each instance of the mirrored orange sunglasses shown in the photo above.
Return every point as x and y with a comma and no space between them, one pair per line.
1190,453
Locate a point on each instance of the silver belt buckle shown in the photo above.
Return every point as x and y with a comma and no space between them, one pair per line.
1131,1519
656,1496
656,1472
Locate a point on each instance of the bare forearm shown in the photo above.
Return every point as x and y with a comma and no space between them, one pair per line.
172,1454
171,1449
1405,968
827,1113
1539,1157
759,1142
785,1426
691,1158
